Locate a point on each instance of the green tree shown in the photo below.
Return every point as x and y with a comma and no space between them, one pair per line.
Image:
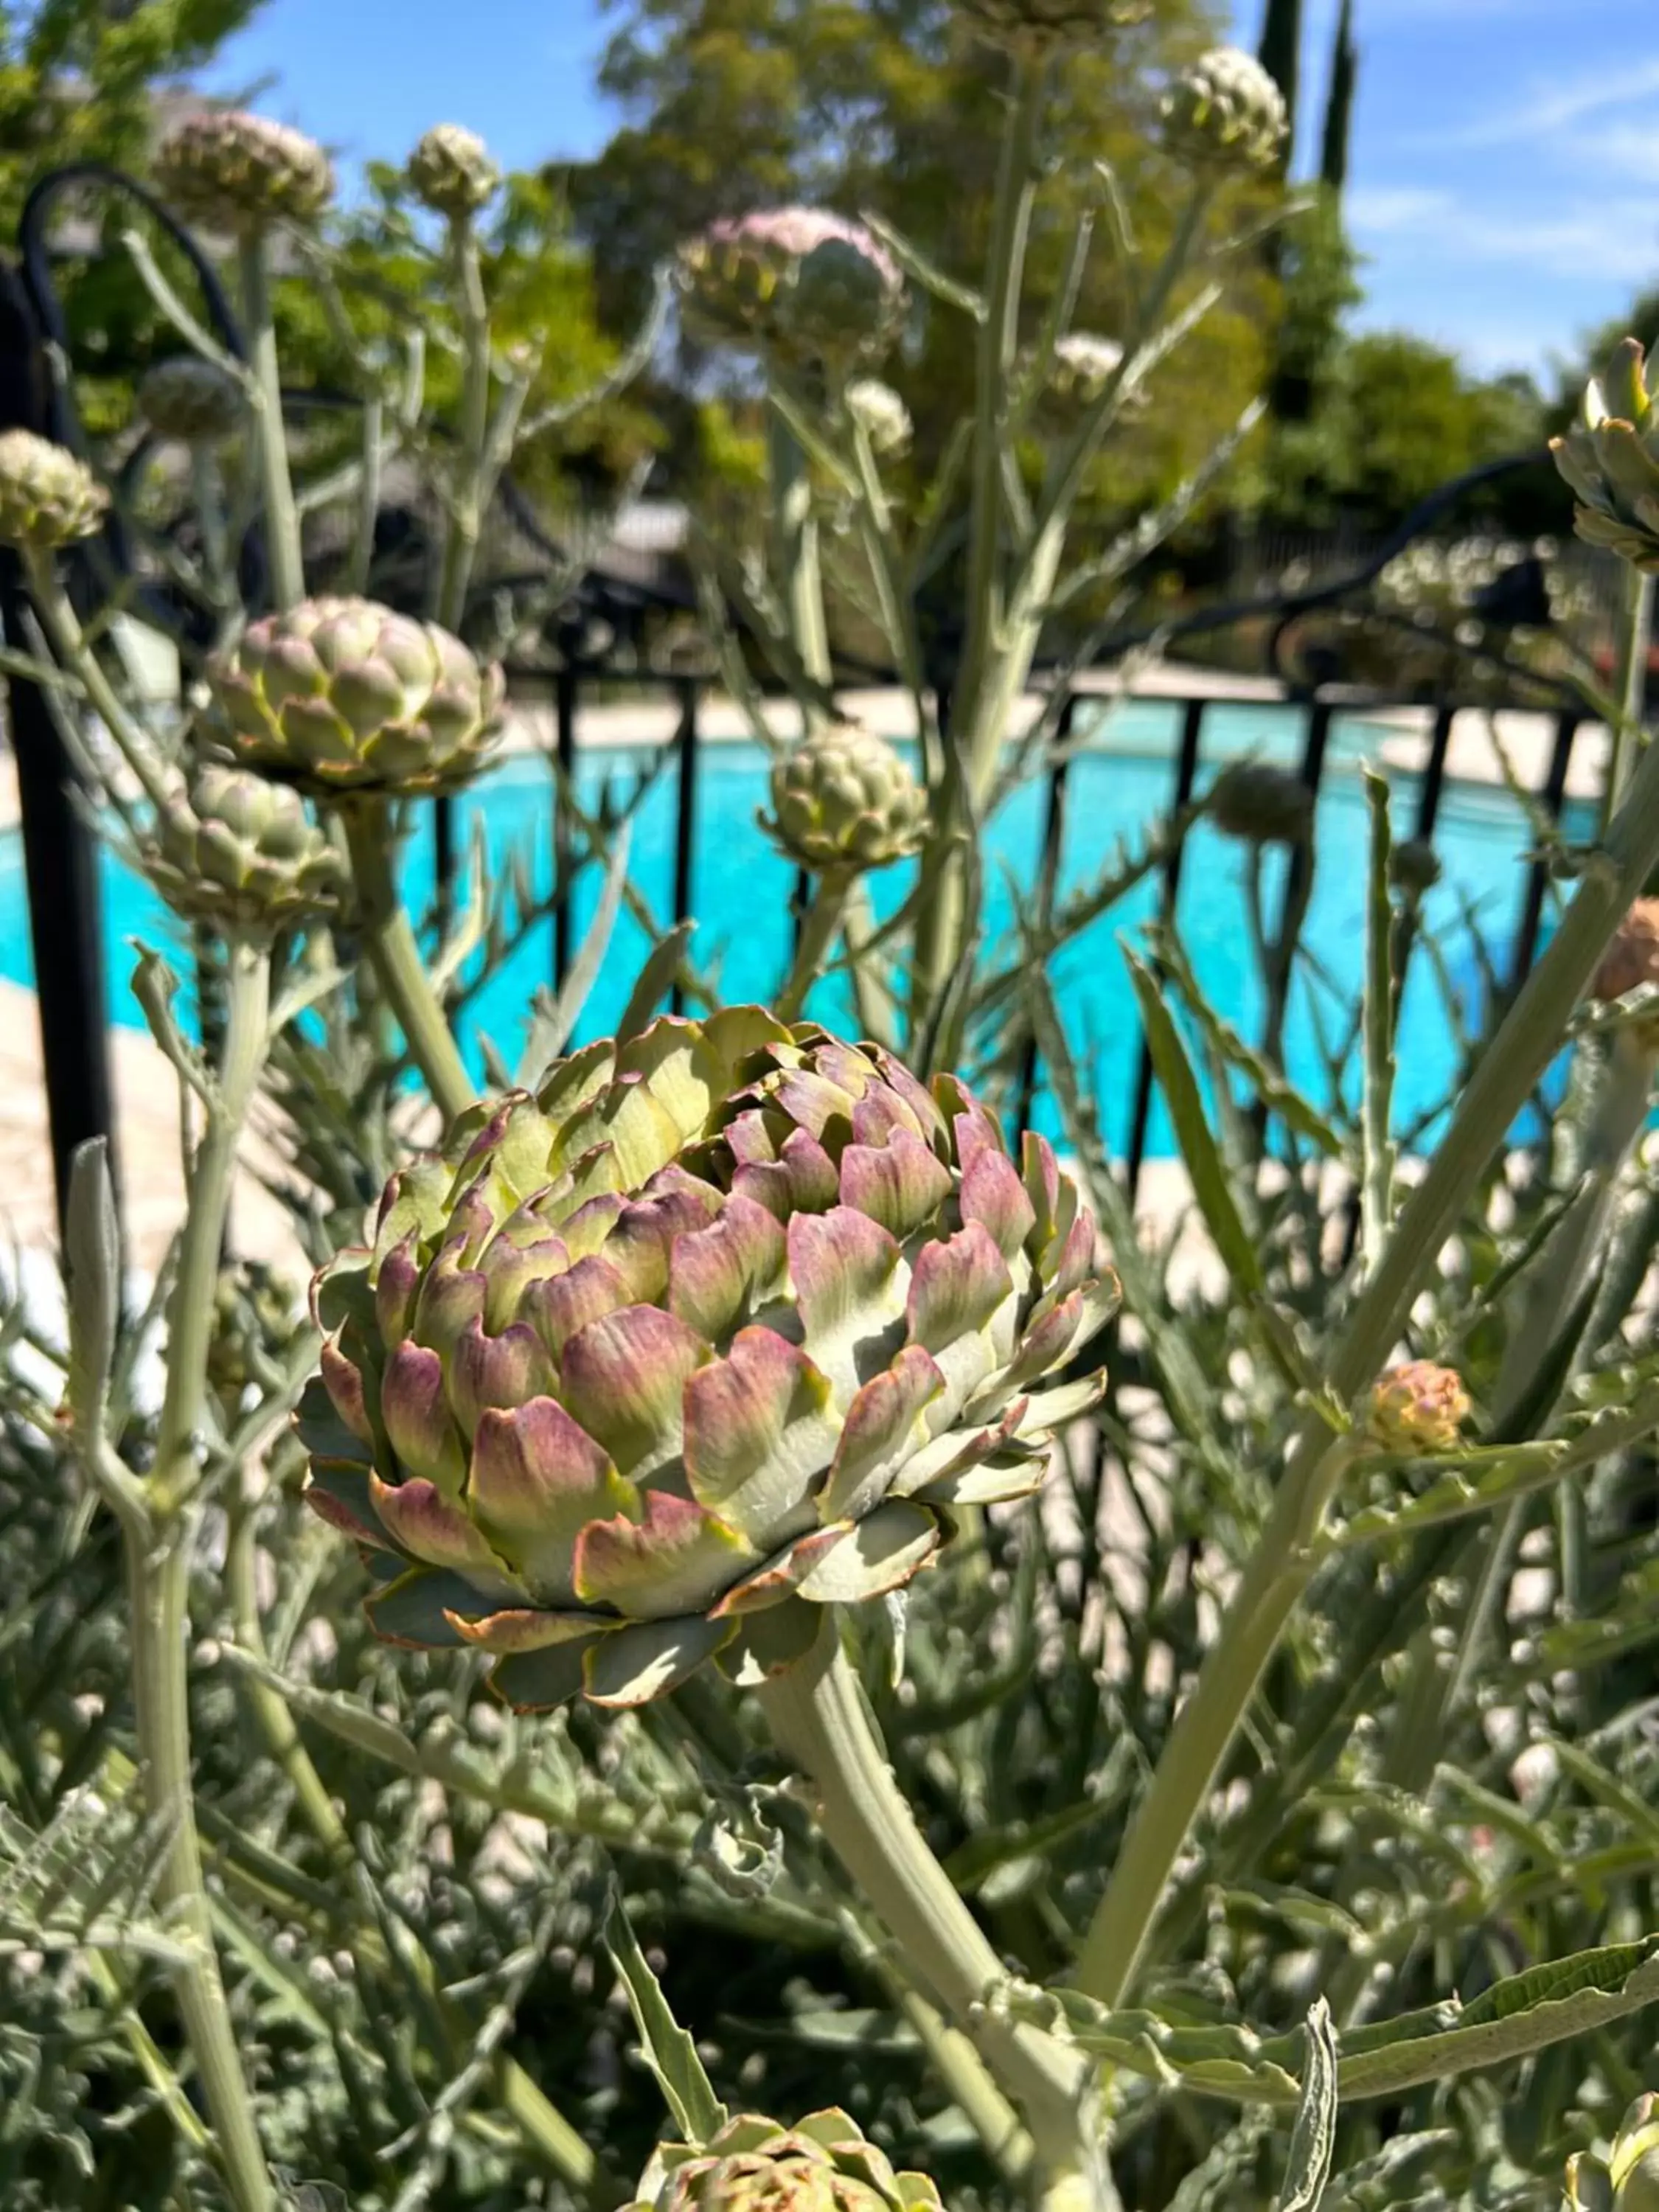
1279,51
1338,104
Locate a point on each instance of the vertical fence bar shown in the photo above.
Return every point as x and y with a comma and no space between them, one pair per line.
1053,839
1192,738
1434,772
1297,875
685,826
60,853
1553,797
800,899
564,738
443,860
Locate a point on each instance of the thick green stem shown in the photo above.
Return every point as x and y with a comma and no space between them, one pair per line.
158,1575
1278,1571
817,933
465,517
68,643
795,554
1635,644
395,958
817,1715
287,572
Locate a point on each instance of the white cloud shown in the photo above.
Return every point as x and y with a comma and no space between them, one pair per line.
1374,209
1547,111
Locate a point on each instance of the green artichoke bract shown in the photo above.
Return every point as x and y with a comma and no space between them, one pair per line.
451,171
824,2164
223,165
343,697
796,281
193,400
242,852
1225,112
48,496
1611,461
1627,2180
710,1331
843,800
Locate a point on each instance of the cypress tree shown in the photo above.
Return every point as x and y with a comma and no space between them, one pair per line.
1278,52
1338,104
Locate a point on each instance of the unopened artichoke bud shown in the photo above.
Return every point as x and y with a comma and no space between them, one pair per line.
843,800
1418,1406
241,172
1224,111
1415,867
1049,26
451,172
1610,459
1633,957
242,853
193,400
712,1330
48,496
256,1309
342,697
1261,805
797,281
882,416
825,2163
1084,365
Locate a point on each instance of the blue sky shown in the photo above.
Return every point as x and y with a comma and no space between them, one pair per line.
1505,183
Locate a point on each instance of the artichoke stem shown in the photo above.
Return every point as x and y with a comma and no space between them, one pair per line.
820,924
395,959
817,1713
158,1576
286,574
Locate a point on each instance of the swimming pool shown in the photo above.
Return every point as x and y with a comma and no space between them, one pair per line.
741,891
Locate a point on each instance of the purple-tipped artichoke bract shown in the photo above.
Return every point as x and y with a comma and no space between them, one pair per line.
844,801
242,853
825,2163
1610,459
713,1329
1418,1406
242,172
1225,112
797,281
48,496
342,697
451,172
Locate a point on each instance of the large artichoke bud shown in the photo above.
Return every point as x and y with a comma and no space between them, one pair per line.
341,696
1224,111
241,172
822,2164
1046,26
1418,1406
1261,805
844,801
1611,461
451,172
48,496
242,853
807,285
193,400
713,1329
1627,2180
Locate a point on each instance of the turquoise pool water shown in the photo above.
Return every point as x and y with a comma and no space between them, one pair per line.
742,890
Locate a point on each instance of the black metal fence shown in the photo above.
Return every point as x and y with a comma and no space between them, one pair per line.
60,853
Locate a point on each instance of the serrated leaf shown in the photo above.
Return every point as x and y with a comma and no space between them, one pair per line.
553,1022
1199,1152
932,278
669,2050
655,980
1377,1105
92,1255
155,985
1314,2135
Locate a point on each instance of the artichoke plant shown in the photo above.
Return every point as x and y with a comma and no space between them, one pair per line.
242,853
824,2164
881,414
843,800
452,173
1225,112
341,696
193,400
1633,958
1627,2180
1418,1406
242,172
796,281
1610,459
1260,804
713,1329
48,496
